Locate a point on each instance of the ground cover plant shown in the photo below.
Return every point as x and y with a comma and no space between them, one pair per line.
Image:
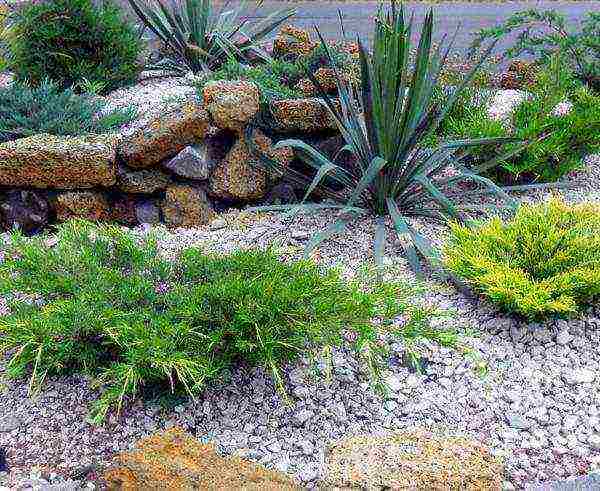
544,33
26,111
385,124
70,41
198,37
543,262
99,301
560,120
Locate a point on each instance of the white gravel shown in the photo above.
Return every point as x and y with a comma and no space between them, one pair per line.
529,391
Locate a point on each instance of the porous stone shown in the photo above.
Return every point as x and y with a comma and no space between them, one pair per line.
25,210
89,205
412,460
176,460
231,104
239,176
144,181
292,42
186,206
123,210
306,115
60,162
165,136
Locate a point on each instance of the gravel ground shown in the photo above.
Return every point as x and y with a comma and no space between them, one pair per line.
529,391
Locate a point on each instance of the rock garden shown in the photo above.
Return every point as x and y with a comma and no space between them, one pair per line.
238,255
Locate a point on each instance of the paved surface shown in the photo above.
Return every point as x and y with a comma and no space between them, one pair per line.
469,16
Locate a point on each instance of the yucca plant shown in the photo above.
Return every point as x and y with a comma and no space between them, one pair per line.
385,123
199,37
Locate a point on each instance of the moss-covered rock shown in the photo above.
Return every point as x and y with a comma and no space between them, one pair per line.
186,206
176,460
239,177
296,115
412,460
60,162
165,136
143,181
232,104
89,205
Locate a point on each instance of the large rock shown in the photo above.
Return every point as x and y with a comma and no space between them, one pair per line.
60,162
292,43
412,460
89,205
143,181
24,210
232,104
186,206
309,115
176,460
165,136
197,161
239,176
147,211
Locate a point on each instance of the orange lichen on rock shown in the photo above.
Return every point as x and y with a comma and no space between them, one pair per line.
175,460
416,460
292,115
60,162
89,205
143,181
186,206
239,176
232,104
165,136
292,42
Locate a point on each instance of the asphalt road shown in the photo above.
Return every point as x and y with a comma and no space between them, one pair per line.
358,15
468,16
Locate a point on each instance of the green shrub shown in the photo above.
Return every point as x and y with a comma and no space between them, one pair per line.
104,302
269,78
543,262
26,111
557,142
70,41
543,34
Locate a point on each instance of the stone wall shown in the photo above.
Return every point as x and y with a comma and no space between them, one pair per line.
178,169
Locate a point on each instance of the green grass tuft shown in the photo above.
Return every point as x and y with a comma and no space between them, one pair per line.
103,302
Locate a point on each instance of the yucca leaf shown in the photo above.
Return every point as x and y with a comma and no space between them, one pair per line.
335,228
404,236
380,239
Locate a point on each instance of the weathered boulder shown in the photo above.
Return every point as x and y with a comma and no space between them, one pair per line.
239,176
24,210
90,205
147,211
60,162
231,104
123,210
165,136
291,43
325,77
186,206
176,460
308,115
143,181
196,162
412,460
